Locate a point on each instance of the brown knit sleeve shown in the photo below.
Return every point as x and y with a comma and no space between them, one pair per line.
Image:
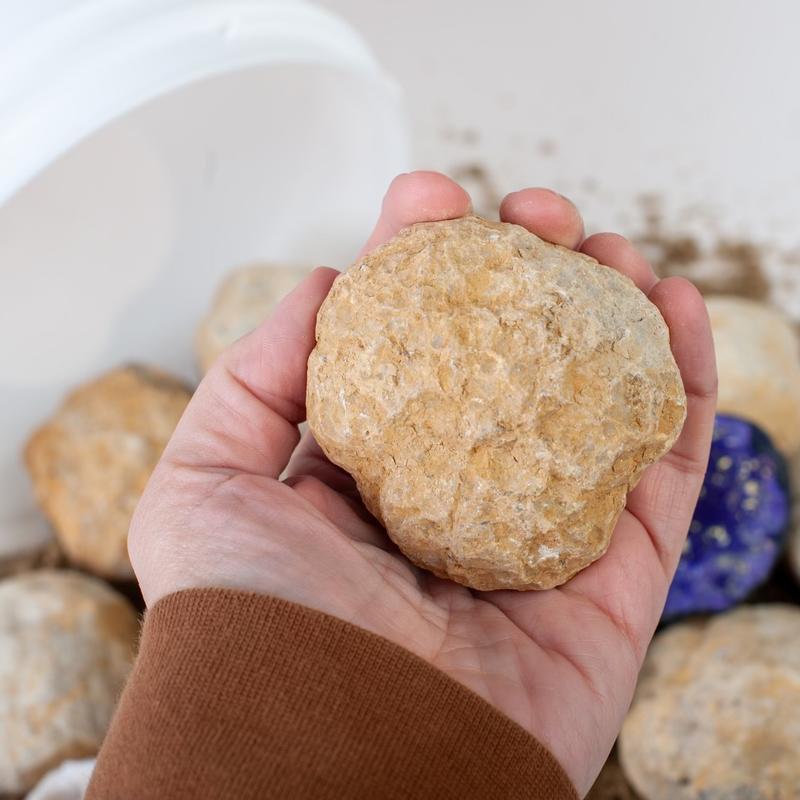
238,695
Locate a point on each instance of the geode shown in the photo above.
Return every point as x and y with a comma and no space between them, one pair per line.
495,398
738,526
90,462
758,361
716,714
67,642
244,299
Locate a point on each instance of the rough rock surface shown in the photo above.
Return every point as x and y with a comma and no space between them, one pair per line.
243,301
90,462
717,711
737,531
494,396
758,360
66,645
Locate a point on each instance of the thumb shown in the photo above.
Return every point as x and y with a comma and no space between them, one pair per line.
244,415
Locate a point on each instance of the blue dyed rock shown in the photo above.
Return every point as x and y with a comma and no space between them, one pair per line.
738,525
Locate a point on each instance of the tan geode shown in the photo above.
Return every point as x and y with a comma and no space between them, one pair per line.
717,711
90,462
243,301
66,645
495,398
758,361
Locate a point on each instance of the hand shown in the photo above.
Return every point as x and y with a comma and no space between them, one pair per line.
562,663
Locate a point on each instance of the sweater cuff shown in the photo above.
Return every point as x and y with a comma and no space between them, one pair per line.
242,695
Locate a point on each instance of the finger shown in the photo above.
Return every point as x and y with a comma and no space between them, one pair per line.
665,498
629,584
692,343
545,213
616,251
417,197
412,197
308,459
245,412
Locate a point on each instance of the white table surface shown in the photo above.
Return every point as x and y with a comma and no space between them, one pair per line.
697,103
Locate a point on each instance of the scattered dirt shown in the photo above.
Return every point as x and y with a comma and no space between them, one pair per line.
465,136
475,178
548,148
717,265
730,266
590,185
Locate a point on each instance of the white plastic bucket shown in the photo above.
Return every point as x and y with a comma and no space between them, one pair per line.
147,146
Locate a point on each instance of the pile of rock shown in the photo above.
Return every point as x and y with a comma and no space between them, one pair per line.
68,608
67,641
716,715
717,711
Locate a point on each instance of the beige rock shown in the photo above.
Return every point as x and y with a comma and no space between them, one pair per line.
90,462
66,645
717,712
243,301
494,396
758,360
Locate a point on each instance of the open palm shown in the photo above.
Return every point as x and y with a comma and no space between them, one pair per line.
562,663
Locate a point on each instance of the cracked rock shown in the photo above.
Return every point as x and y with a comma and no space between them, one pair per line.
495,398
66,645
91,461
717,711
758,360
243,301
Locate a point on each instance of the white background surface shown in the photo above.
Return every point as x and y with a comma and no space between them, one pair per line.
697,102
113,253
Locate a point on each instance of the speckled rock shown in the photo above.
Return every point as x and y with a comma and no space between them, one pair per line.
494,396
66,645
243,301
739,525
717,711
758,360
90,462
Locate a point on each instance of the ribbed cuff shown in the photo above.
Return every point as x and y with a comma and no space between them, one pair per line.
245,696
